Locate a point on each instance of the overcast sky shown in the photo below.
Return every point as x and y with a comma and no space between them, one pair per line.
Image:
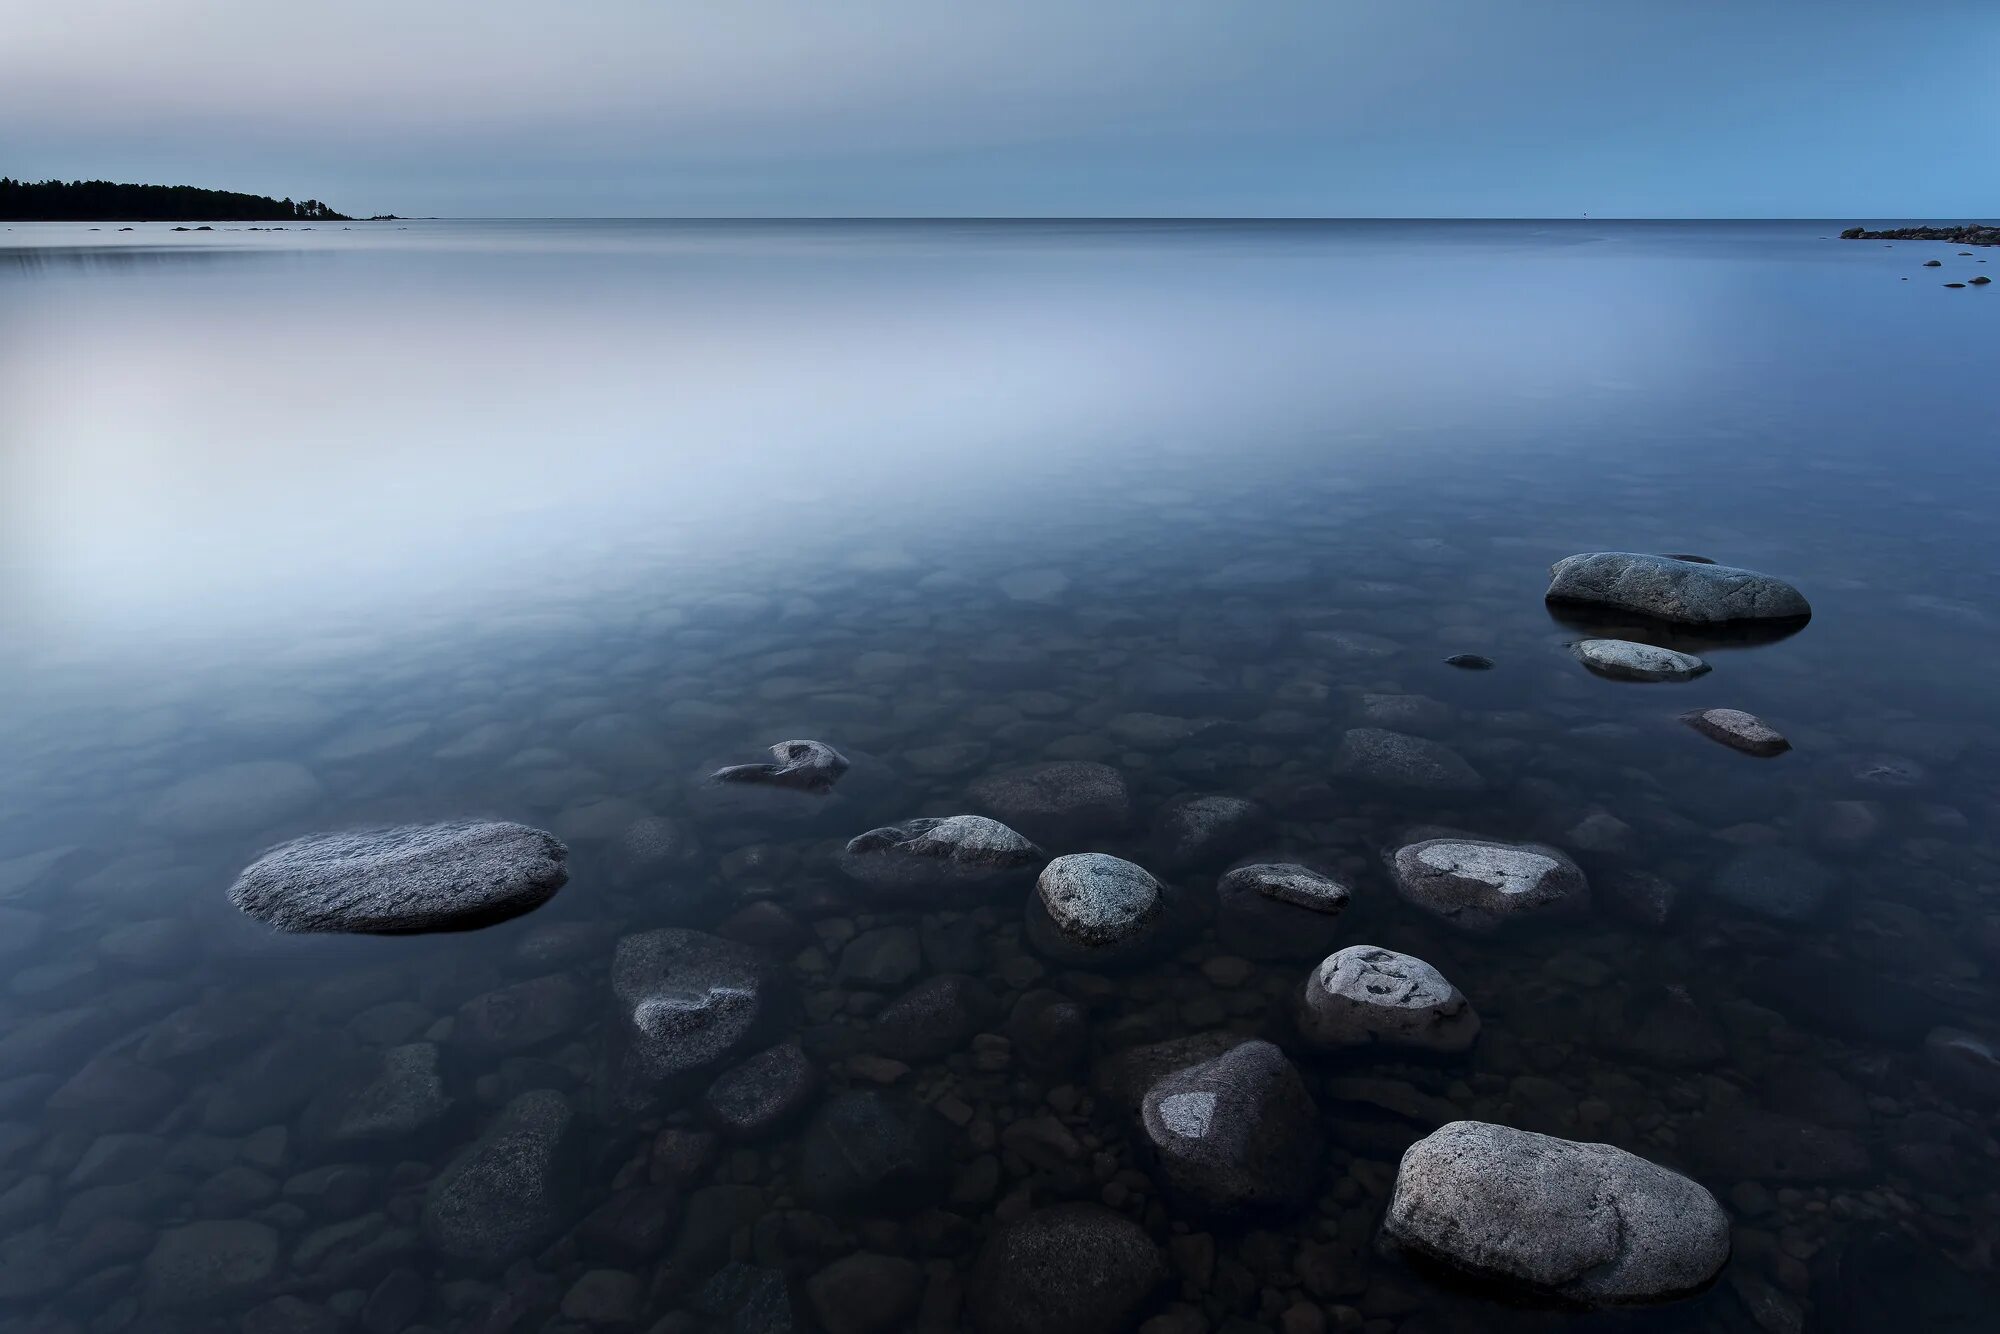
1545,108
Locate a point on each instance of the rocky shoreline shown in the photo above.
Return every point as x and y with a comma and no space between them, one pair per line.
1972,233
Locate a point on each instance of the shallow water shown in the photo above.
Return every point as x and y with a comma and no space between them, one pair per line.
545,521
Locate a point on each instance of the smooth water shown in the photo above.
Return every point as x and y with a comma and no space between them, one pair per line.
304,530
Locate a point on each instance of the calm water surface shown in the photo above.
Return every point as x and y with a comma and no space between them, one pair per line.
544,521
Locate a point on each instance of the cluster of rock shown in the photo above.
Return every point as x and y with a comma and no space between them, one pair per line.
1973,233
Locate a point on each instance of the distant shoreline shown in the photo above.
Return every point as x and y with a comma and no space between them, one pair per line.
1972,233
108,201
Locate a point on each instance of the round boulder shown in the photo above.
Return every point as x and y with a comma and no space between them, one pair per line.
452,876
1583,1224
1673,588
1365,995
1237,1136
1092,910
1479,885
1067,1269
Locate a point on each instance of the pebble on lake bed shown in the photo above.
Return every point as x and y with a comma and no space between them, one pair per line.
403,879
1626,660
1738,730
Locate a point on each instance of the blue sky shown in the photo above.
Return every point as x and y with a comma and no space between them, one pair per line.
1450,108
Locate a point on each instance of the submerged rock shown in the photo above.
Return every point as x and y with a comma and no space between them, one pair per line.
1394,759
875,1153
1965,1061
1237,1135
210,1264
930,857
512,1190
933,1019
1750,1144
1470,662
1365,995
391,1094
1628,660
1060,804
1587,1224
804,766
1193,831
1667,588
757,1097
1093,910
1066,1269
407,878
687,1001
1279,911
236,798
1738,730
1480,885
1777,883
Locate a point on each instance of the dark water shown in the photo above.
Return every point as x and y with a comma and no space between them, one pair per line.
543,521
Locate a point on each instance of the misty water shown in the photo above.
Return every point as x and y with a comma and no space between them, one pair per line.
316,529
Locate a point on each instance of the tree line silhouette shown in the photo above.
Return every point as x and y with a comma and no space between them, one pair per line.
104,201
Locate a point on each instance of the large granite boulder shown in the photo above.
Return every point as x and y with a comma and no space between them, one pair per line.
1236,1136
1480,885
1060,804
1095,910
452,876
686,1002
1066,1269
1365,995
513,1189
1279,910
1584,1224
935,861
1672,588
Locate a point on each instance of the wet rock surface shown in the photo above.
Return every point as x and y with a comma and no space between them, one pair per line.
1481,886
1068,1269
1674,589
803,766
512,1189
938,860
1365,995
407,878
1588,1224
1094,909
1238,1135
1279,910
1738,731
686,1001
1624,660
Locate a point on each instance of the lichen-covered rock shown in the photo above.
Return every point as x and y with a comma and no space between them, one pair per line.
1279,910
1587,1224
1671,588
1237,1136
1479,885
1366,995
686,1002
1629,660
803,766
940,859
1393,759
1739,731
512,1189
407,878
1095,910
1066,1269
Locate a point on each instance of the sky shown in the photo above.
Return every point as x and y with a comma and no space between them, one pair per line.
1232,108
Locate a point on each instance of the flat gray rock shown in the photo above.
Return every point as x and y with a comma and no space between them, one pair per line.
1629,660
1586,1224
406,878
1670,588
940,857
1236,1136
1092,908
1394,759
1279,910
1479,885
1365,995
1738,730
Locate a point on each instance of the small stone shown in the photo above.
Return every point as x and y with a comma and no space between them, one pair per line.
1738,730
803,766
1627,660
1471,662
1365,995
1481,885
